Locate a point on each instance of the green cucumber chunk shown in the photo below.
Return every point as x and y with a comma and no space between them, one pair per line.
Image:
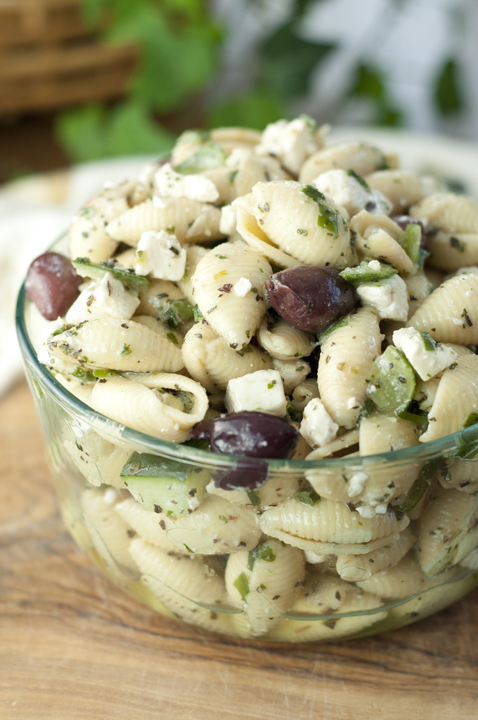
164,485
410,241
392,381
207,157
175,314
364,274
130,280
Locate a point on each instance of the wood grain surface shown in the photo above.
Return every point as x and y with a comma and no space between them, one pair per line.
73,647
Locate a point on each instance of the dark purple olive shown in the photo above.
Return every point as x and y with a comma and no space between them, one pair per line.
310,298
404,220
249,433
52,284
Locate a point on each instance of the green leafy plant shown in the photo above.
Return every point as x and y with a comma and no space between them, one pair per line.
176,41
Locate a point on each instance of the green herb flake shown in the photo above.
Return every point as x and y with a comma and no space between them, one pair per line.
241,584
171,336
261,552
197,314
271,385
472,419
232,176
83,375
428,341
224,519
301,232
126,350
351,173
222,257
254,498
307,497
328,219
187,548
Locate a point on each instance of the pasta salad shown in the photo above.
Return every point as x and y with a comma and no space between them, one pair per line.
269,295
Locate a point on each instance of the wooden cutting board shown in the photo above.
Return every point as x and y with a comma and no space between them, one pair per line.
73,647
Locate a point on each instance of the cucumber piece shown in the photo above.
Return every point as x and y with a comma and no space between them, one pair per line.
207,157
175,314
127,276
363,273
392,381
421,485
411,240
164,485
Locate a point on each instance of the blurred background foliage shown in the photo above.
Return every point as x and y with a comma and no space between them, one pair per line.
179,46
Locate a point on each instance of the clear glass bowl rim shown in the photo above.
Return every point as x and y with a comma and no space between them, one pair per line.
446,446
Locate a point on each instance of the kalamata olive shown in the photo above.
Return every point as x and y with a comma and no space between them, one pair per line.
249,433
310,298
52,284
404,220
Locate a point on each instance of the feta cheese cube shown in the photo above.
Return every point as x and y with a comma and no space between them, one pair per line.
228,221
292,142
356,484
317,427
261,390
426,357
348,192
389,297
242,287
169,183
108,298
160,255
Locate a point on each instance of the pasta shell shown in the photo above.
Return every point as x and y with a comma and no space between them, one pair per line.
216,527
289,219
304,393
401,187
192,220
448,212
328,522
159,295
354,568
381,433
98,460
450,314
184,585
212,362
194,253
255,237
452,251
117,345
269,586
88,236
345,365
448,530
455,399
149,526
109,533
234,317
377,237
358,156
136,406
399,582
282,341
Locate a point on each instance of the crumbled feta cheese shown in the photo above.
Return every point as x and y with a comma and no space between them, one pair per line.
108,298
169,183
389,297
374,265
352,403
242,287
346,191
261,390
356,484
160,255
457,321
292,142
228,221
426,362
292,372
160,202
370,511
110,496
193,503
43,354
317,427
312,558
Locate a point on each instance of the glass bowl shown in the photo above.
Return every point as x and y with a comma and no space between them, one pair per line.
197,553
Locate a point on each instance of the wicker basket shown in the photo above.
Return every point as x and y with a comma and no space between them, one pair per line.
49,60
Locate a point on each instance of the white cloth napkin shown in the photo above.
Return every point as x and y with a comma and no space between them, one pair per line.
33,212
